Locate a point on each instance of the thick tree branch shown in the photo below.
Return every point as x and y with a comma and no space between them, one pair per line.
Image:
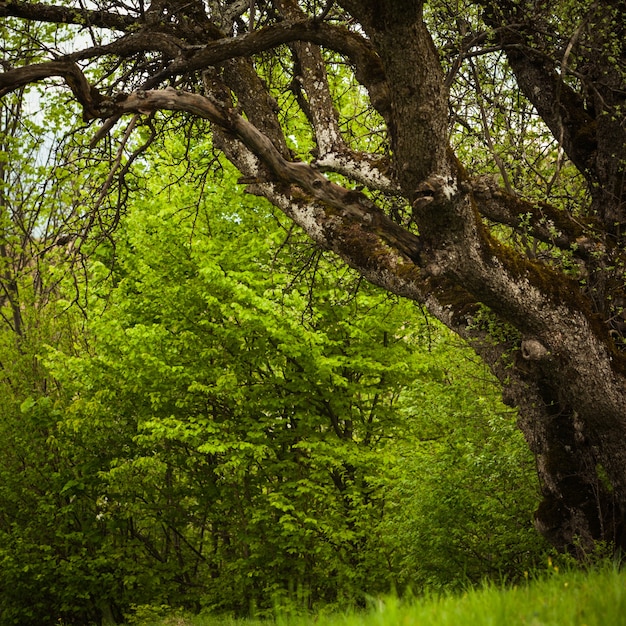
68,15
357,49
366,169
131,44
332,152
539,220
312,77
187,58
417,93
239,76
89,97
353,205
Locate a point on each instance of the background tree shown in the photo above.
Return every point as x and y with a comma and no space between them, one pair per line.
528,266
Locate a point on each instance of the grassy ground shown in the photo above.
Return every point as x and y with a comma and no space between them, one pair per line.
572,599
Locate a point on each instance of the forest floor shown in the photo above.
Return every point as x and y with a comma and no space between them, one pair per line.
596,598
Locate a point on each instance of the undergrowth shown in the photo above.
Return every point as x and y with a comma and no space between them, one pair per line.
575,598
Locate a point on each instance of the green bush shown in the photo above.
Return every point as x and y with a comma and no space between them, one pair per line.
228,438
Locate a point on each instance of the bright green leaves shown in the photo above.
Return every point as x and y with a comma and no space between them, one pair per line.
230,402
240,422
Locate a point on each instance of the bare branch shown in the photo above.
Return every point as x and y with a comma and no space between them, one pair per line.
313,79
86,94
67,15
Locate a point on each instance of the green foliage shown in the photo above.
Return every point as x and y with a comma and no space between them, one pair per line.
53,560
242,422
241,426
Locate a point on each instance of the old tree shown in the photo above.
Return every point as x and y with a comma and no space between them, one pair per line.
469,156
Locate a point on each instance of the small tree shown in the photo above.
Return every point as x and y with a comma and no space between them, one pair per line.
490,186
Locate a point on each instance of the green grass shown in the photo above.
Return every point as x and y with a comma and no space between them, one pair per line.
573,599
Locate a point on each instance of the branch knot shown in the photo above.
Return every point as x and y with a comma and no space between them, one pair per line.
534,350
